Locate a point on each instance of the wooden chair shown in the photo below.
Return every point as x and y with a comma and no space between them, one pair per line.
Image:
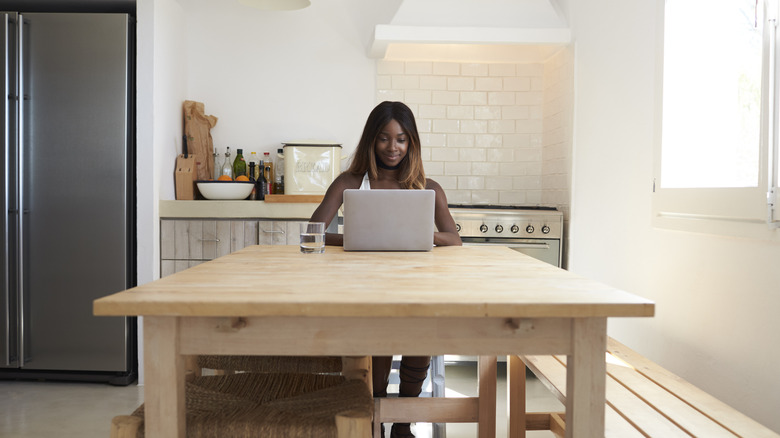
480,409
264,402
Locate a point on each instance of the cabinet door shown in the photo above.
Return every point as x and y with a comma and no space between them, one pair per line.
293,232
272,232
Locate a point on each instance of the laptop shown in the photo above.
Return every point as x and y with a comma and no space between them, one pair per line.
388,220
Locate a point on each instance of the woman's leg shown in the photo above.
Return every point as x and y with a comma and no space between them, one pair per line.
380,366
414,370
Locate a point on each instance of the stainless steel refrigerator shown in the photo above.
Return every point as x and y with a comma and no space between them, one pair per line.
68,168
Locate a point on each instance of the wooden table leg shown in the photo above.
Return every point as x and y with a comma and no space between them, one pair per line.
515,396
586,379
164,410
486,381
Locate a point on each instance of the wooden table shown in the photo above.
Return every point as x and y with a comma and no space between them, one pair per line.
273,300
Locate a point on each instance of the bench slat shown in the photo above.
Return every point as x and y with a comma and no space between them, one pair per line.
555,379
737,422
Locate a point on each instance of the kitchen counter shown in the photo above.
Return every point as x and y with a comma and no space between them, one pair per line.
236,209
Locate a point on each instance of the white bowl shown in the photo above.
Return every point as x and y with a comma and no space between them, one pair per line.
225,189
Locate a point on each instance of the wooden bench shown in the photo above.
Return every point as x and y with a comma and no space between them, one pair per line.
643,400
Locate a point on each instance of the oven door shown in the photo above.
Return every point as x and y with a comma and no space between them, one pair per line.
546,250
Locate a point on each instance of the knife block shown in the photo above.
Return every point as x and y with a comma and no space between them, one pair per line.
185,175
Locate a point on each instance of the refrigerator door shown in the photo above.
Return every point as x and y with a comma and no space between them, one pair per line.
9,331
74,80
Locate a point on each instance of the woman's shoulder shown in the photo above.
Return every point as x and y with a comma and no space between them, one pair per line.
347,180
431,184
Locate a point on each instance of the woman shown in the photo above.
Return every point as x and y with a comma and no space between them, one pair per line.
388,156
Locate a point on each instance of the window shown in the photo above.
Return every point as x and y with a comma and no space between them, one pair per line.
718,151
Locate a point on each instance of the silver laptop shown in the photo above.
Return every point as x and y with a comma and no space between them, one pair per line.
388,220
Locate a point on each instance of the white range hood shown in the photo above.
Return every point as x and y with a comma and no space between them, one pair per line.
437,25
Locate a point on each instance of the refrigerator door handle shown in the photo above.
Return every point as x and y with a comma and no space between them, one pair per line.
22,323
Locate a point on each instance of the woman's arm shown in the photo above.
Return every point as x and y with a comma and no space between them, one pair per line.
447,234
329,207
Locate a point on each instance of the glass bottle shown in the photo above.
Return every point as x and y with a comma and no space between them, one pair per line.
215,165
253,195
239,165
259,187
253,158
269,169
267,183
227,168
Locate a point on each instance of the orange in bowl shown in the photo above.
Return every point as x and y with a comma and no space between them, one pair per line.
224,178
242,178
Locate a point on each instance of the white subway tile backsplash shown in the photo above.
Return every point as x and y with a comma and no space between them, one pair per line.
498,182
405,82
484,197
501,98
488,140
517,84
484,168
471,182
459,83
444,154
433,167
393,95
460,141
446,182
512,197
446,68
457,168
475,126
472,155
419,68
446,126
484,112
492,133
500,155
473,98
515,112
445,97
417,96
489,84
432,112
463,112
473,69
433,82
502,69
433,140
501,126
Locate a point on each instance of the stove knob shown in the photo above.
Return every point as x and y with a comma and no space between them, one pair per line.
457,227
529,229
499,229
483,228
546,229
514,229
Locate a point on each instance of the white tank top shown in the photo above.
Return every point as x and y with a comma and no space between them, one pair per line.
365,185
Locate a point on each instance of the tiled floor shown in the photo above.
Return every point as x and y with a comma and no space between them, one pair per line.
84,410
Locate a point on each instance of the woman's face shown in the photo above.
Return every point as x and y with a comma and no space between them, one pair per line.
391,144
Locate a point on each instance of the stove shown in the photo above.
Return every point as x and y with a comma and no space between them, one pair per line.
533,230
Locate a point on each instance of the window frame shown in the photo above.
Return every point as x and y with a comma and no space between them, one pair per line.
745,211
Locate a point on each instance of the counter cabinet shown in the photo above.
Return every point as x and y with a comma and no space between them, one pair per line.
188,242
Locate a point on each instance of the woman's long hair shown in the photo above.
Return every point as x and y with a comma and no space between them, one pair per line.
411,174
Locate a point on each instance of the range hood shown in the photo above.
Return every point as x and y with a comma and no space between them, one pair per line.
438,25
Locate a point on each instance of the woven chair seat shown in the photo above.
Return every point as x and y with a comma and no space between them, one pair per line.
251,405
272,364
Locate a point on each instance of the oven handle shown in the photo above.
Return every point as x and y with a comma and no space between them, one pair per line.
540,245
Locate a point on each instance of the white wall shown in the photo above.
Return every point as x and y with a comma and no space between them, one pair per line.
716,298
272,77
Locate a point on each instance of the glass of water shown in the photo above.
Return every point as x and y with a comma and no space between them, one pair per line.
313,237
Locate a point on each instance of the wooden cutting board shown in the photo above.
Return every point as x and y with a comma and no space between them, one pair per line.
316,199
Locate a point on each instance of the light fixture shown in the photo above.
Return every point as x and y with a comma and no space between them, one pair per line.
276,5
